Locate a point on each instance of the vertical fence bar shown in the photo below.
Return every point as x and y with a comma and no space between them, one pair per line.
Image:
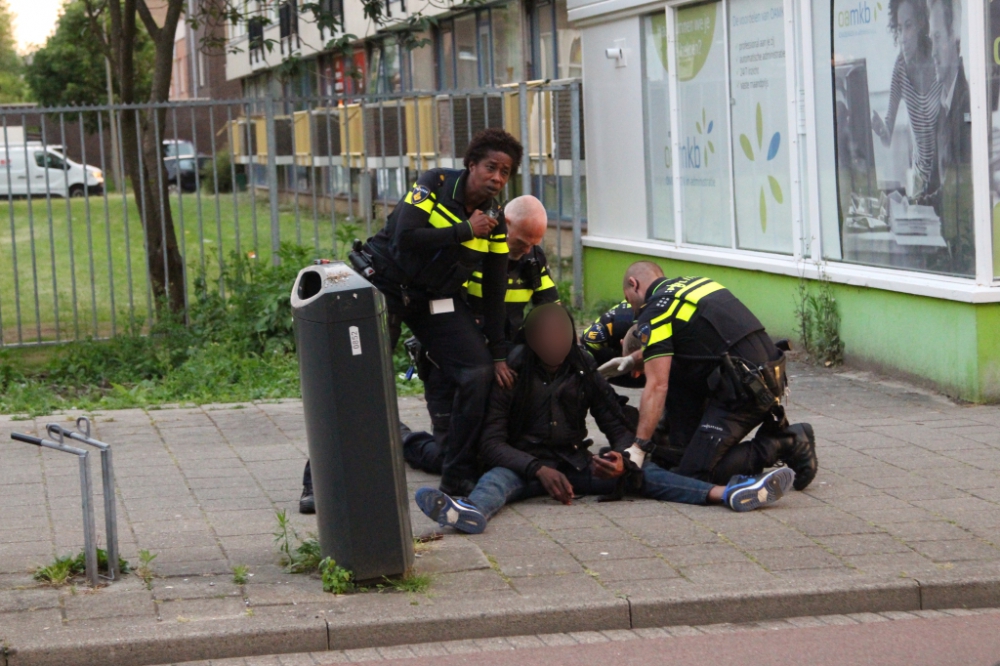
238,238
31,237
215,186
69,235
312,174
144,215
197,181
385,166
329,173
161,197
13,233
575,137
345,151
90,233
179,184
400,153
48,210
293,170
107,224
522,102
418,149
555,157
123,190
251,178
272,178
218,204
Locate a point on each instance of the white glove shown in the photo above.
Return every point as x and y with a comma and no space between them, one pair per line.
635,454
617,367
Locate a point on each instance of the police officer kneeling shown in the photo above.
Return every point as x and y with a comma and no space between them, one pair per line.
447,227
725,377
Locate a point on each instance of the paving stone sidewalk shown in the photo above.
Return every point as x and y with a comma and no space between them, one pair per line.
903,516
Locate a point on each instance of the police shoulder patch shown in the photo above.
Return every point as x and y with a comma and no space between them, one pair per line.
419,193
597,333
643,334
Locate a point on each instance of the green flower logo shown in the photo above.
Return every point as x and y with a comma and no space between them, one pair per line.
772,151
707,126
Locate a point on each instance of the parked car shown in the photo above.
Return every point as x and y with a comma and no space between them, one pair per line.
45,171
182,164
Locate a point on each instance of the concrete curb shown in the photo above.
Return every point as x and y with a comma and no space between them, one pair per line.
383,621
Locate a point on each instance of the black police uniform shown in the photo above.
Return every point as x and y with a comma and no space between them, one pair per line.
697,321
528,281
603,339
422,259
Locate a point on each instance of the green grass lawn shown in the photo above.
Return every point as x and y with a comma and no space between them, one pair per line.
81,270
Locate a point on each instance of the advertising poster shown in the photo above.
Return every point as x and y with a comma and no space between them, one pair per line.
903,134
703,99
760,125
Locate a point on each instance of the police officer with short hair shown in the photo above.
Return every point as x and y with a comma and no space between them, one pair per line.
725,375
604,340
528,281
448,226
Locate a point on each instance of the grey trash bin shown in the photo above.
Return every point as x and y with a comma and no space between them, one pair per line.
352,421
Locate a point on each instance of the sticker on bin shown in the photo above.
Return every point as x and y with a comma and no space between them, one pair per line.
355,340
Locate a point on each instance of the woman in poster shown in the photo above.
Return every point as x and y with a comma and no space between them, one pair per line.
914,80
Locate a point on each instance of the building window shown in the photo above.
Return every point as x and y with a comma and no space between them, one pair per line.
656,104
556,48
481,48
903,135
467,52
508,59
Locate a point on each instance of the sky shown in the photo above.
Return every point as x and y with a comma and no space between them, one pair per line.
34,20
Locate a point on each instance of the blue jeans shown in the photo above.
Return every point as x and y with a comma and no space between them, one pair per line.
500,486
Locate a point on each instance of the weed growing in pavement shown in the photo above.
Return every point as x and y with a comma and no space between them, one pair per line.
297,555
411,583
62,570
818,322
241,574
145,569
336,579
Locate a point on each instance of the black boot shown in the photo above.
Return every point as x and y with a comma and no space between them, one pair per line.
798,451
307,503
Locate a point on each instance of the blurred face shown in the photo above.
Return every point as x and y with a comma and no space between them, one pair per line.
488,176
519,240
943,47
910,27
550,335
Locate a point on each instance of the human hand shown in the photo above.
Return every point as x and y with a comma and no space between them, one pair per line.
609,466
505,376
556,484
482,224
617,367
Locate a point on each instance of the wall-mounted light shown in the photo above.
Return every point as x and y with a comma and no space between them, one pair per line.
618,53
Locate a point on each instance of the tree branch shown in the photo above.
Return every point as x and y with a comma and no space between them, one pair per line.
147,20
96,30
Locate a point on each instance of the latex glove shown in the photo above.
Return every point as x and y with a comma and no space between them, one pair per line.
635,454
617,367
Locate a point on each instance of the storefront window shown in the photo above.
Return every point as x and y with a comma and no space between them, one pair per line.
760,145
703,108
903,133
508,64
656,100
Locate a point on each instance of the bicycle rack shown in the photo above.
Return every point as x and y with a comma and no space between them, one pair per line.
89,545
82,434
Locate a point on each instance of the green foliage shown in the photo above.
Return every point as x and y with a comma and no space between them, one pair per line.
336,579
818,323
217,174
12,85
297,555
63,569
410,583
70,69
145,568
241,574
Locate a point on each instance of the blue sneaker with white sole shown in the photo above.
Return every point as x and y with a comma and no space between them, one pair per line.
746,493
449,512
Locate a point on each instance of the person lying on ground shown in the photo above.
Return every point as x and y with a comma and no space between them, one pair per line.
535,440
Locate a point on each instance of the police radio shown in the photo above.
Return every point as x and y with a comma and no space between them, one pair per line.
360,260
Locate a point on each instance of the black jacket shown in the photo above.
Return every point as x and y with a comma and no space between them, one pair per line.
556,427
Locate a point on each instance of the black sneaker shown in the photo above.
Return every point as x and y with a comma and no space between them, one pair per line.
799,453
307,503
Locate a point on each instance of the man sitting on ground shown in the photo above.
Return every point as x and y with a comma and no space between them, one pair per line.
534,440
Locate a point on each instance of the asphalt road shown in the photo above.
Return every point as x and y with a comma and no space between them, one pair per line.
953,641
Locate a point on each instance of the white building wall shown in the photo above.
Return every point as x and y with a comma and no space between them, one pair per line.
612,98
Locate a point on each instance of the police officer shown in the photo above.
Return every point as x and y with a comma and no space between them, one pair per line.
528,281
604,338
448,226
725,376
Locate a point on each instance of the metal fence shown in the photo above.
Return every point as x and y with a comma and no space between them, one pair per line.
242,177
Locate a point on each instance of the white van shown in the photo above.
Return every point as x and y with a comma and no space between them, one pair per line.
45,171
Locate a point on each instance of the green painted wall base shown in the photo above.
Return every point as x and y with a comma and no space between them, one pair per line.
953,347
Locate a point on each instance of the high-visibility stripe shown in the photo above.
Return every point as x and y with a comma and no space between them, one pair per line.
438,221
660,333
498,248
498,237
692,285
450,215
474,288
478,244
547,282
686,312
518,295
703,291
426,205
477,274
